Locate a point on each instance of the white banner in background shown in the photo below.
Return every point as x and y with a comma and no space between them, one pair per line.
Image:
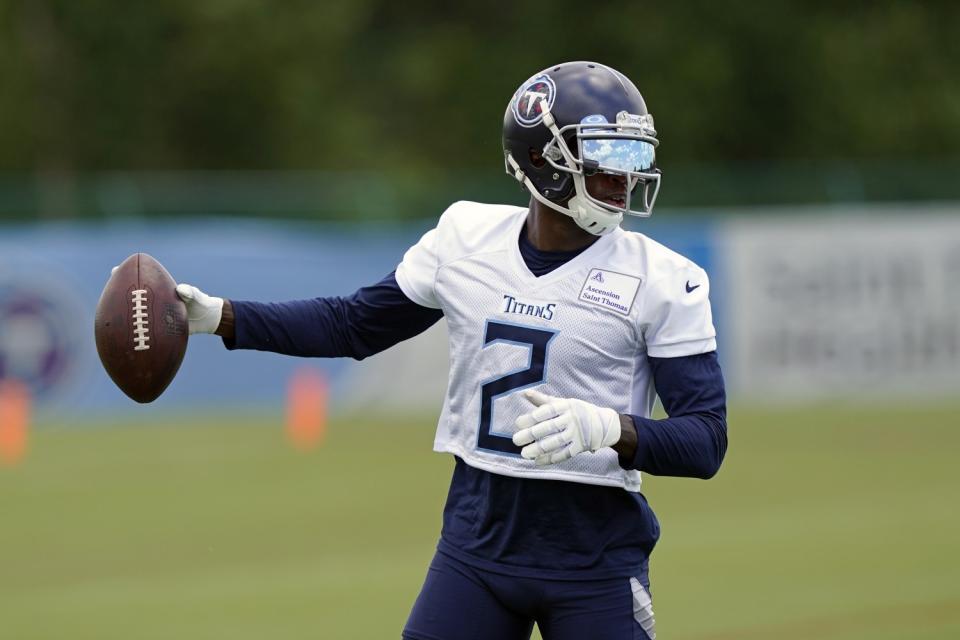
867,303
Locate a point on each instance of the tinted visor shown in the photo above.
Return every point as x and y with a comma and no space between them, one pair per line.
619,154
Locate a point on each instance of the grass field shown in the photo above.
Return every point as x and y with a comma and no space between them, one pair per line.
828,523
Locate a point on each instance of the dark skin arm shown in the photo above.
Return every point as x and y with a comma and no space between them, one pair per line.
225,328
626,446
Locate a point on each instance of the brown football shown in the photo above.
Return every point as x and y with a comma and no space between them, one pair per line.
141,328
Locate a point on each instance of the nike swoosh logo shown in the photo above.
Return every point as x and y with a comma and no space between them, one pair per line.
690,289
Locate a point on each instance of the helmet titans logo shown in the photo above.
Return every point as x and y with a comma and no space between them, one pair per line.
533,99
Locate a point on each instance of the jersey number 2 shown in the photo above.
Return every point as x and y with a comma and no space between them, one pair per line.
537,341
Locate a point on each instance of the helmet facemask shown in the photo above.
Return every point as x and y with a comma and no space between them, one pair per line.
625,148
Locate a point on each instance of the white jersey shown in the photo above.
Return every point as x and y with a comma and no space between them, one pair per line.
581,331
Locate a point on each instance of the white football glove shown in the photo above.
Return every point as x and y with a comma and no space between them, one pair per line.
203,311
560,428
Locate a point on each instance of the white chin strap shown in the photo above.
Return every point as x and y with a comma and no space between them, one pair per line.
588,216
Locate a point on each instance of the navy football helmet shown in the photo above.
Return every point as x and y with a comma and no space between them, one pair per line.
573,120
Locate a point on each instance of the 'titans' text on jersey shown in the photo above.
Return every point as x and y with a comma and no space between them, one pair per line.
594,321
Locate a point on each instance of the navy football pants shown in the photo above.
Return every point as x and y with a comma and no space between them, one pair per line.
462,602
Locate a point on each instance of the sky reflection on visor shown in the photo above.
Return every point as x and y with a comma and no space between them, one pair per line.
619,154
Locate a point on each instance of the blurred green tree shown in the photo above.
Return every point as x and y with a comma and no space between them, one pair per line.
414,87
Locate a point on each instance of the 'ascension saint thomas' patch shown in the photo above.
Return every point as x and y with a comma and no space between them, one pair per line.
610,290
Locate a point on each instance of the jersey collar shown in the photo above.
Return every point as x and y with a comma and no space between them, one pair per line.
571,266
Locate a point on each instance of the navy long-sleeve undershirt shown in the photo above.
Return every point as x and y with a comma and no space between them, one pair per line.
692,441
367,322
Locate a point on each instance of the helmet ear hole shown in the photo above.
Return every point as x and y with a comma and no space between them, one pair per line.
536,158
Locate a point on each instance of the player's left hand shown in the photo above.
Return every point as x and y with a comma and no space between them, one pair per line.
560,428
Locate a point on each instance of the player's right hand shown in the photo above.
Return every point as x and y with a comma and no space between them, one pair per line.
203,312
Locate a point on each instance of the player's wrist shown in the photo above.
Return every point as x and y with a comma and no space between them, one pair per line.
226,327
626,444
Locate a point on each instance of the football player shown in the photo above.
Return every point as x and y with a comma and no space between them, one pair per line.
563,329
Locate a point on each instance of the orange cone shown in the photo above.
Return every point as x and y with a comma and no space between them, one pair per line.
307,408
14,421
